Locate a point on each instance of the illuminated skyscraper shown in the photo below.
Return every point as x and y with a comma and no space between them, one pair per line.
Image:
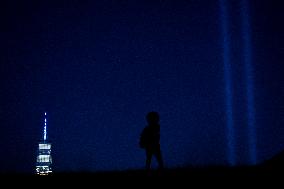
44,160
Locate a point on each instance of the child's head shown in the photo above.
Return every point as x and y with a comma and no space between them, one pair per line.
153,118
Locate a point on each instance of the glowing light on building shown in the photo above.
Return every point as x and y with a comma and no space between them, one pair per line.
44,159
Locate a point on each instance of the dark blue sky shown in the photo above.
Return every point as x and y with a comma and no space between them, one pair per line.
97,68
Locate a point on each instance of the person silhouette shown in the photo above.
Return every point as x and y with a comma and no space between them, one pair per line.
150,140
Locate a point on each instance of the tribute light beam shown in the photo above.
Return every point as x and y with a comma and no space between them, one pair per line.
228,83
249,77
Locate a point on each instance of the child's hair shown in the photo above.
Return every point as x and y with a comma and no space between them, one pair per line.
153,117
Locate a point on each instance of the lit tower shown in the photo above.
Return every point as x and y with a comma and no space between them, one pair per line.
44,160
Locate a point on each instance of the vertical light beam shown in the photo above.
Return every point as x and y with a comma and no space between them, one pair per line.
44,131
228,83
249,78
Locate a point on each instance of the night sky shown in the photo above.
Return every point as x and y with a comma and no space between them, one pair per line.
98,67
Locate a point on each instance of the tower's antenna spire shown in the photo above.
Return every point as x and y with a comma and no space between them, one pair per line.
45,124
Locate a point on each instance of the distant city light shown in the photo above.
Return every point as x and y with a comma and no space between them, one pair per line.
44,159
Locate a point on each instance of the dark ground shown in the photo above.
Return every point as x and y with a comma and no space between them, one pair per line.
191,176
269,173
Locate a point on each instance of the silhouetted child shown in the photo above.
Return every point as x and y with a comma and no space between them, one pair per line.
150,140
